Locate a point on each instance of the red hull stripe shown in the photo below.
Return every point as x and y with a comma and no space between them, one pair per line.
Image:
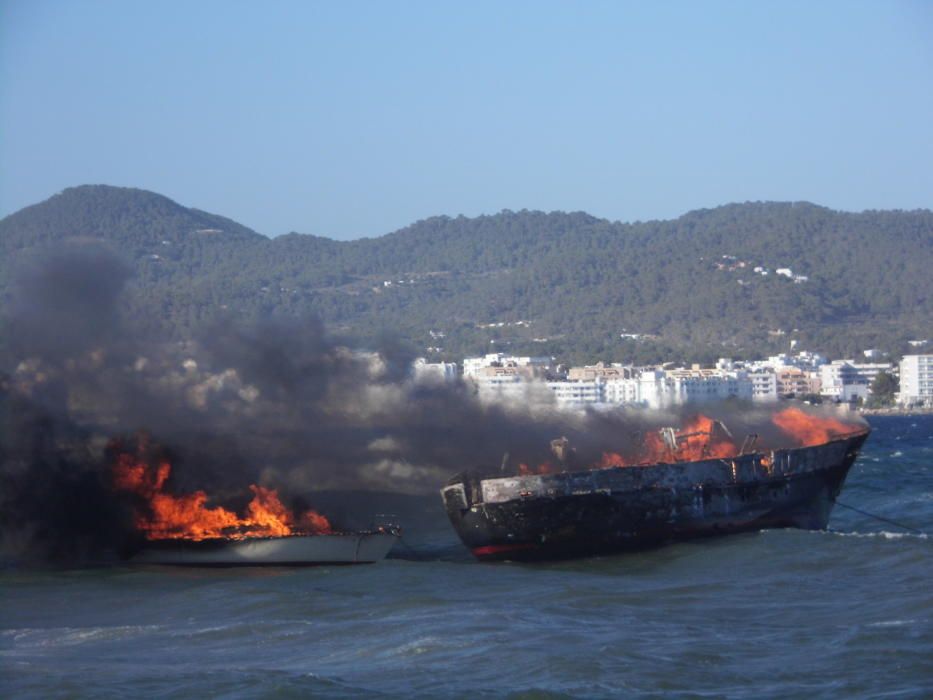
500,548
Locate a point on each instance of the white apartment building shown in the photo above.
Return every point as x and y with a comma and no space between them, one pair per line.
435,371
804,360
916,380
473,365
579,393
627,391
847,380
793,381
651,388
764,384
493,386
700,385
654,388
508,382
602,371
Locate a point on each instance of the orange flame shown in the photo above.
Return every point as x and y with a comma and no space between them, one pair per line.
807,429
699,438
653,450
613,459
702,437
187,516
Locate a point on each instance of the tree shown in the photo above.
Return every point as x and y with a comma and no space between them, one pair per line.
883,389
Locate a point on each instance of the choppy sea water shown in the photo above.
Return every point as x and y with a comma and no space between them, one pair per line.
776,614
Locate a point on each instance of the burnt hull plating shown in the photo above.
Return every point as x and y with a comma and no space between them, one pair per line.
309,550
602,511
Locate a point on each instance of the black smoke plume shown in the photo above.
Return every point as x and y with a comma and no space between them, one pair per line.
277,402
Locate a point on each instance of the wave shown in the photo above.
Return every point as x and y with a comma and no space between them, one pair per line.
894,623
31,637
884,534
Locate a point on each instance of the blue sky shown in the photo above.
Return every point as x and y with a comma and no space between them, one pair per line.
351,119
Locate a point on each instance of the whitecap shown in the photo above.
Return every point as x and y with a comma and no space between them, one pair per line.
892,623
884,534
192,631
72,636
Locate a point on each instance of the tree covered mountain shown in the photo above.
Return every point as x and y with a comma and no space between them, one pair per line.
563,284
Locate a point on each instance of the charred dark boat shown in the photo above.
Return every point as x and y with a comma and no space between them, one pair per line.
615,509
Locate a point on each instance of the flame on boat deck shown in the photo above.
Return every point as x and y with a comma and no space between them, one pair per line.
162,515
702,437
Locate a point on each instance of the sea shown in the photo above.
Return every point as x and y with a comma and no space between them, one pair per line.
845,613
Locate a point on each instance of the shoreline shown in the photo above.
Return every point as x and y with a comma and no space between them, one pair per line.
896,411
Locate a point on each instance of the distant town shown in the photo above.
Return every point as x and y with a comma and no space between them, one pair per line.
871,380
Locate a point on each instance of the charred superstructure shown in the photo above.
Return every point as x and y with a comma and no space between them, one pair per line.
614,509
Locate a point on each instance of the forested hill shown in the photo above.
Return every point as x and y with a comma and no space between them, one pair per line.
564,284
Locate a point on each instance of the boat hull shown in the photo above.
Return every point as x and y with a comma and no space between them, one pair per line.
601,511
298,550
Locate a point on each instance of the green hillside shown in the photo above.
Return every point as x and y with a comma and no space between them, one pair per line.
564,284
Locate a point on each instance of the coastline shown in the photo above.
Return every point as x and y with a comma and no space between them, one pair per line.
897,411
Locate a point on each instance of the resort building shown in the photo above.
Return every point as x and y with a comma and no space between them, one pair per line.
916,380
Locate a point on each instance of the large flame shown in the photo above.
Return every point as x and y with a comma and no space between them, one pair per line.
806,429
165,516
702,437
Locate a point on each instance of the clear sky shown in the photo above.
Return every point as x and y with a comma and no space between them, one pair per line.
350,119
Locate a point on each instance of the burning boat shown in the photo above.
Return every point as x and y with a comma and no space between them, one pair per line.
182,530
682,484
290,550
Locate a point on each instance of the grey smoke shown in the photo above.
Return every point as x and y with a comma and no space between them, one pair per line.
278,402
